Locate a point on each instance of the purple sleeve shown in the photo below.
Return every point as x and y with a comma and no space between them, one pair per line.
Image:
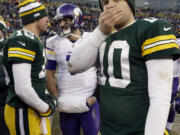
51,65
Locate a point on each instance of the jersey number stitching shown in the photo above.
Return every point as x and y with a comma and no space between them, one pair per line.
124,64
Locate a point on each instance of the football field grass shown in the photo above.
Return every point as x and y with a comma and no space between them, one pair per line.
57,131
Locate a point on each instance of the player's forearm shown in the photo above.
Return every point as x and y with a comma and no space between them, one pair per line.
85,56
52,88
24,89
51,83
160,75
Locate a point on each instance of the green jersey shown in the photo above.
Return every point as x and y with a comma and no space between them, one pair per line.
124,100
24,47
3,86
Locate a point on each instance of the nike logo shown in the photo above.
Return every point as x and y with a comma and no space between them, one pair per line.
168,28
23,44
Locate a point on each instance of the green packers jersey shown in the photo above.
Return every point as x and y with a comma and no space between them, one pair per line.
24,47
124,100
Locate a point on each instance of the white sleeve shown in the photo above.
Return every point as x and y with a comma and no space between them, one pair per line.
160,75
24,89
85,55
72,104
50,54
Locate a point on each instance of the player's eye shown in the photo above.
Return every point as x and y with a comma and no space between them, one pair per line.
118,0
105,2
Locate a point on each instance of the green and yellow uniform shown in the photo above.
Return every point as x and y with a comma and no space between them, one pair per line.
124,97
24,47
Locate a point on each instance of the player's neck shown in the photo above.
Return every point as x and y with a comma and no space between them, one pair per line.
32,28
75,35
126,24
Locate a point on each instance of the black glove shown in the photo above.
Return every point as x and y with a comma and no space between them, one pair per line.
51,101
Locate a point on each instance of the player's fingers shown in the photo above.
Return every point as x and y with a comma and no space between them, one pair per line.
91,100
108,16
108,19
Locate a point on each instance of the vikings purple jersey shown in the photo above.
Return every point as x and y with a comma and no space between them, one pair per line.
73,87
59,50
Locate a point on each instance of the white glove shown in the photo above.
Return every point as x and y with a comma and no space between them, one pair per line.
73,104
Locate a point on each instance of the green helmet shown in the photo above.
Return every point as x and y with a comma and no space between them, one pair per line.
130,2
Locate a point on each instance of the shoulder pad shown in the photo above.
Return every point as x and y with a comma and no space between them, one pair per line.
153,21
150,19
52,40
22,34
85,34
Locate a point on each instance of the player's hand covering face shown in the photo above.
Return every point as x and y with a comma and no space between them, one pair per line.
116,13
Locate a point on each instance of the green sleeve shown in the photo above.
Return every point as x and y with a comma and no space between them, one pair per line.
160,41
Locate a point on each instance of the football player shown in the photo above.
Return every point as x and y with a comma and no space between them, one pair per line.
3,85
27,106
77,107
174,96
135,86
177,99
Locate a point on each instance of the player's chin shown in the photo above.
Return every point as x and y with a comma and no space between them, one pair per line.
65,28
45,29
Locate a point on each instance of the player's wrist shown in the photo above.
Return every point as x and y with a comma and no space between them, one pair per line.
47,113
51,105
43,107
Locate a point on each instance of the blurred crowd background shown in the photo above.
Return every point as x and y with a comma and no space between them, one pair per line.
91,11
